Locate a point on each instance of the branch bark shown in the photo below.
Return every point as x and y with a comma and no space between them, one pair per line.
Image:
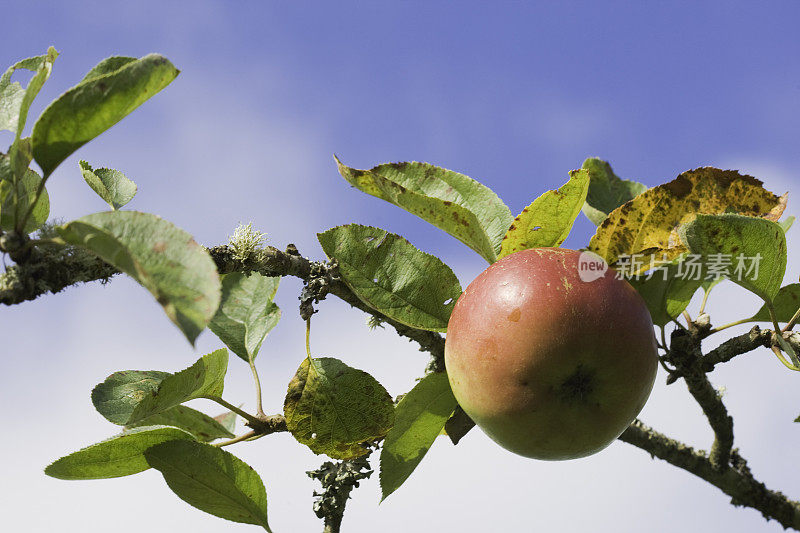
735,480
53,270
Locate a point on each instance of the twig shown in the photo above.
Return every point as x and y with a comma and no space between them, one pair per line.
686,356
735,480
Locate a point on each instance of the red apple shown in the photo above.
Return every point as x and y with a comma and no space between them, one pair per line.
551,366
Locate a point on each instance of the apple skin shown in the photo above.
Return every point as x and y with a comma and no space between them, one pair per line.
548,365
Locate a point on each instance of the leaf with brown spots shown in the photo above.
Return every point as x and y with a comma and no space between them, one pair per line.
453,202
648,224
548,220
606,190
163,258
334,409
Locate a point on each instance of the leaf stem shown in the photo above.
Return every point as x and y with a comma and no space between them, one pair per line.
240,438
308,338
259,405
704,302
791,322
244,414
782,359
726,326
773,316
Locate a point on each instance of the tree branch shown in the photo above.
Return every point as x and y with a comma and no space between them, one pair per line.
735,479
50,269
686,356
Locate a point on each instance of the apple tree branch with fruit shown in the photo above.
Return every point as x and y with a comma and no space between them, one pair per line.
551,352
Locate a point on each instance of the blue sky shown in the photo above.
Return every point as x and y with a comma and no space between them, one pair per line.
513,94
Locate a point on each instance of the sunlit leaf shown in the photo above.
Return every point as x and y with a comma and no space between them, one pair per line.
203,379
333,408
455,203
107,66
121,455
163,258
419,418
212,480
98,102
111,185
548,220
392,276
755,247
246,313
606,190
647,225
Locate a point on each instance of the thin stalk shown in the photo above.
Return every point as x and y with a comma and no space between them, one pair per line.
244,414
240,438
308,338
259,406
704,302
782,359
792,322
726,326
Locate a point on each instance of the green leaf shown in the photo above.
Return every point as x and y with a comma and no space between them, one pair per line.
333,408
667,292
392,276
205,378
111,185
458,425
419,418
26,189
786,304
548,220
94,105
246,313
107,66
163,258
117,396
606,190
121,455
203,427
755,248
647,224
455,203
212,480
786,224
15,102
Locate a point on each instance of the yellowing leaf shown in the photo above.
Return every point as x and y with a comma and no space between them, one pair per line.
548,220
647,225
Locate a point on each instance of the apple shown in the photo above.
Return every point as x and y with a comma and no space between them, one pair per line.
550,355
